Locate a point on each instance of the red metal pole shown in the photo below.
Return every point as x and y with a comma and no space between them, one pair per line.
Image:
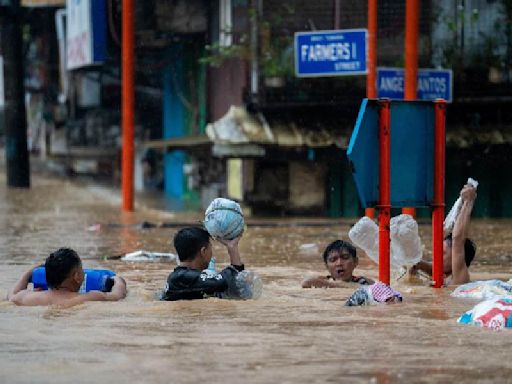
411,48
438,203
411,61
409,211
369,212
371,85
127,108
384,188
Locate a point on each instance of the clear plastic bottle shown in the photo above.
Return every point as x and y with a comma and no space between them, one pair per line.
211,265
248,285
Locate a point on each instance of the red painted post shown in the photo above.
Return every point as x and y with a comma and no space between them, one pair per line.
409,211
369,212
438,203
411,48
371,85
384,188
127,108
411,61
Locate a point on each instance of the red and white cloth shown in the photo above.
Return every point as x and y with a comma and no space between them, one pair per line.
382,293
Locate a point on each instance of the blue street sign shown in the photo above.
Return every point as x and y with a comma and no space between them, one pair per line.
431,84
330,53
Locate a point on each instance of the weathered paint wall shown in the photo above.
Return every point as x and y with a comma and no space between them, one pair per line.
226,87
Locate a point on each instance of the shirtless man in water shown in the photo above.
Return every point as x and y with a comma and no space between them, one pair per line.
64,276
340,259
458,250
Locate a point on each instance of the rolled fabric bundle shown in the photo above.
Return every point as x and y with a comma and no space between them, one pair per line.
224,219
495,314
374,294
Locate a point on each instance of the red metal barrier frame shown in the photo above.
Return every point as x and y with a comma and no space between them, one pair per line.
384,188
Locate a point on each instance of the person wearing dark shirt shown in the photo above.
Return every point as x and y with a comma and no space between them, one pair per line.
191,280
340,259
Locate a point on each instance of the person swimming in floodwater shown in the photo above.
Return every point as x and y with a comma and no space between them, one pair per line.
64,276
190,280
458,250
340,259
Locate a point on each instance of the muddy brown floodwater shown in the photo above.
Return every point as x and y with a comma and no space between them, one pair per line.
289,335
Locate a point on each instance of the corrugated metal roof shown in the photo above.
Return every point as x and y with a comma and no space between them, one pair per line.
238,126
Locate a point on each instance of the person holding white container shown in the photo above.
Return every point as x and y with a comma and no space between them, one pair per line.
458,249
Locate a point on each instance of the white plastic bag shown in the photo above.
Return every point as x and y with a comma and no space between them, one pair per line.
450,219
142,255
483,289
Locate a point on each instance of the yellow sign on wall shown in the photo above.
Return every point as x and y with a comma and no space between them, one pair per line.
235,179
43,3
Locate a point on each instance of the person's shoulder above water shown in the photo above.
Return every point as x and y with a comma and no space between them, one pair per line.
340,259
64,276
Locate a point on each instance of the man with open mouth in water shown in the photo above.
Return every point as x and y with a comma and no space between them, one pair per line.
340,259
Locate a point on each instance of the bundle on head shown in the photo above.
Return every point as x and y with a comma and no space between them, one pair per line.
224,219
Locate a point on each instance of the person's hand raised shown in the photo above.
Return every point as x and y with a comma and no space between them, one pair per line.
468,193
230,244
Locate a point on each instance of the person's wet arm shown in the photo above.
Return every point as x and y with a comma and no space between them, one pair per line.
325,282
317,282
20,288
460,271
118,292
233,251
422,265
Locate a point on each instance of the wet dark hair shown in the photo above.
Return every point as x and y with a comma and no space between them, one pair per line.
59,266
469,249
339,245
189,241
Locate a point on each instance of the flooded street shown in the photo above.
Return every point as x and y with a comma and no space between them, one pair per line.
289,335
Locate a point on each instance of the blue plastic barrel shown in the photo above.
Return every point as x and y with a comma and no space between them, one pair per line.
94,279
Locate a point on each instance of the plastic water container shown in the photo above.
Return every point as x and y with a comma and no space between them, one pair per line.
405,247
94,280
248,285
365,235
224,219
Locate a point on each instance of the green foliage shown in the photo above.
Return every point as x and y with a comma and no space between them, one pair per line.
484,51
276,45
277,60
218,54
